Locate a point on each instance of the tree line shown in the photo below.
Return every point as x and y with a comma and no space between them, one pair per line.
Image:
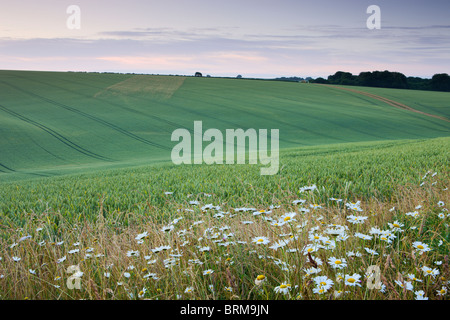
388,79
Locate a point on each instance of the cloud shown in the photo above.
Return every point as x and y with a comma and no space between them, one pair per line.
302,51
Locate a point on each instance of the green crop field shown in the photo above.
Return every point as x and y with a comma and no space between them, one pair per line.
86,180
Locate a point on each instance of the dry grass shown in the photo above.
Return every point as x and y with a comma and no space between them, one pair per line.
105,245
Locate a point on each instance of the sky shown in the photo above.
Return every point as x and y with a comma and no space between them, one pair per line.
253,38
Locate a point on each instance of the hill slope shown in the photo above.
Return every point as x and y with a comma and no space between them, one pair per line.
55,123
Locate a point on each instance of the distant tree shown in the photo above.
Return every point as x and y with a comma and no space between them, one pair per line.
198,74
341,77
239,76
440,82
382,79
320,80
416,83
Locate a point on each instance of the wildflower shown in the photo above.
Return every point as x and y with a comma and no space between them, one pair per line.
288,216
61,259
337,263
16,259
151,275
406,284
323,282
371,251
140,236
319,290
376,231
189,290
141,293
414,214
301,201
260,240
354,254
396,226
440,203
283,288
352,280
413,277
203,249
73,251
356,219
167,228
315,237
24,238
207,272
161,248
126,274
421,247
428,271
32,271
229,289
354,206
279,244
363,236
308,188
260,279
442,292
420,295
312,270
310,249
132,253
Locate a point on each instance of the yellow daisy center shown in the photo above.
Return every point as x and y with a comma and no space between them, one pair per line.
323,283
338,262
287,218
396,225
260,277
260,240
283,286
420,246
351,280
310,249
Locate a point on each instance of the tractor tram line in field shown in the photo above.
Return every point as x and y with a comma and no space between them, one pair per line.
390,102
94,118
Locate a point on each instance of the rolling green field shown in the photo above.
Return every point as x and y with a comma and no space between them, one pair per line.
86,180
56,123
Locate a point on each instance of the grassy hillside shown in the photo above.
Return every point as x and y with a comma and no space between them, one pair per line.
58,123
